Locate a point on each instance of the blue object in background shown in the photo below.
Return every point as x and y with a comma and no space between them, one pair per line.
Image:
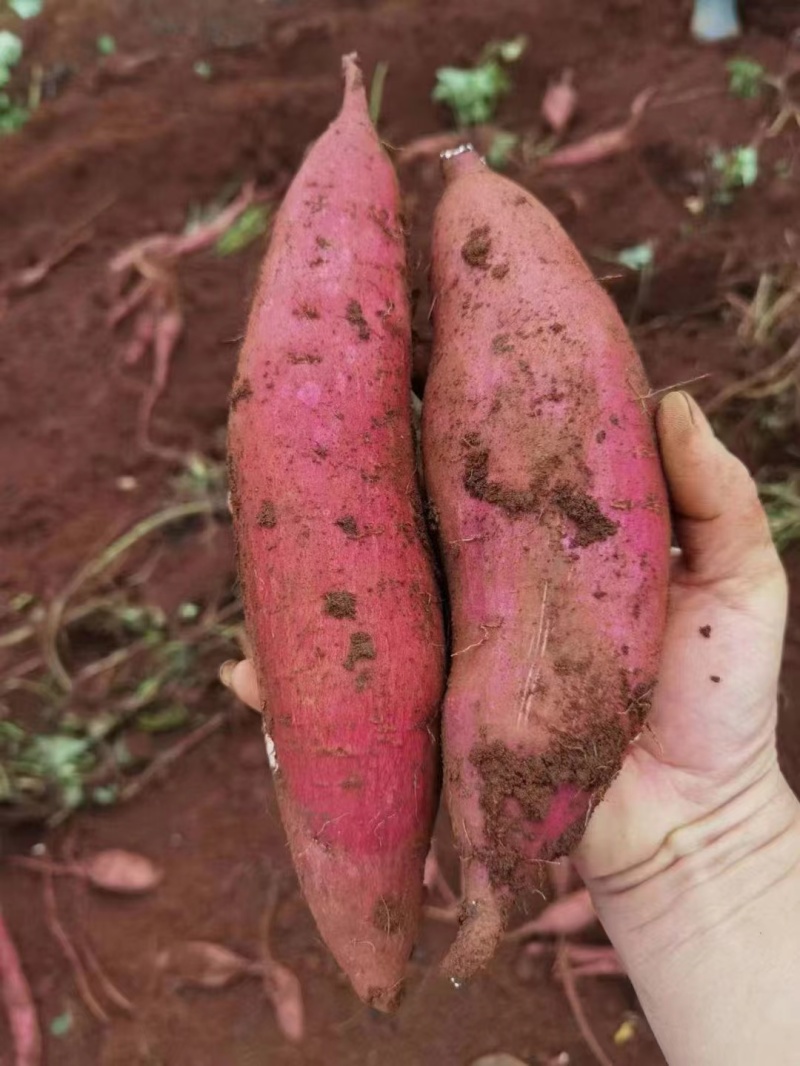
715,20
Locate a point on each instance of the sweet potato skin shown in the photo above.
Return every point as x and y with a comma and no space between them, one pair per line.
341,604
541,466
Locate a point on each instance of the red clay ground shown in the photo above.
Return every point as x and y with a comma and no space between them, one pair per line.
147,145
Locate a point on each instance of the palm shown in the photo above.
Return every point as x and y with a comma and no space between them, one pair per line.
704,736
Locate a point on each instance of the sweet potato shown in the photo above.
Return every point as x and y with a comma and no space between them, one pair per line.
341,604
541,465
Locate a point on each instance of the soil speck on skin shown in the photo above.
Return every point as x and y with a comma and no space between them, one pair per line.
518,788
475,250
363,680
715,679
500,271
476,481
388,915
340,604
322,242
361,647
267,518
355,316
601,436
348,526
242,390
501,344
705,631
297,358
307,311
591,524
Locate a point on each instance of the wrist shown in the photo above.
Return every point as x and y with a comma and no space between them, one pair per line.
704,875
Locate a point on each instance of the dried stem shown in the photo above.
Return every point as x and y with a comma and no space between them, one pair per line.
169,757
564,971
18,1001
70,951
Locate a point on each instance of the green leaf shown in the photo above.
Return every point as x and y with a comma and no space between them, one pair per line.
472,95
638,257
10,49
203,69
376,91
11,731
747,77
13,118
734,169
61,1024
106,45
22,600
105,795
509,51
187,612
163,721
248,227
147,689
59,755
26,9
500,150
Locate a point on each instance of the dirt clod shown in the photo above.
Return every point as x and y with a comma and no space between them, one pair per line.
591,524
475,250
340,604
361,647
267,517
705,631
355,316
501,344
517,789
348,526
477,483
242,390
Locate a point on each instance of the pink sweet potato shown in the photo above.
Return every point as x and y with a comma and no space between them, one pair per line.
541,463
341,603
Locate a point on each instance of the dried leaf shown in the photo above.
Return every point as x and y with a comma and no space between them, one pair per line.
283,990
124,872
432,146
202,964
500,1058
603,145
560,103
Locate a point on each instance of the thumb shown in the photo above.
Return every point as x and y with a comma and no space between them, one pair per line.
240,678
719,521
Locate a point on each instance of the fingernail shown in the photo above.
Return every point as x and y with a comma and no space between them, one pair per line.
695,413
680,410
226,672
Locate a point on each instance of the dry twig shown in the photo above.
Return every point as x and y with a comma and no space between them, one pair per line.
18,1001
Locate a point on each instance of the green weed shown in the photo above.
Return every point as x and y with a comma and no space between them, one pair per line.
472,94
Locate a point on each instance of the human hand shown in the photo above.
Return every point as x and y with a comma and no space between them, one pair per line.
711,732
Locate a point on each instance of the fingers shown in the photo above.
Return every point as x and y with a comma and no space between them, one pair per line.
720,523
240,678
